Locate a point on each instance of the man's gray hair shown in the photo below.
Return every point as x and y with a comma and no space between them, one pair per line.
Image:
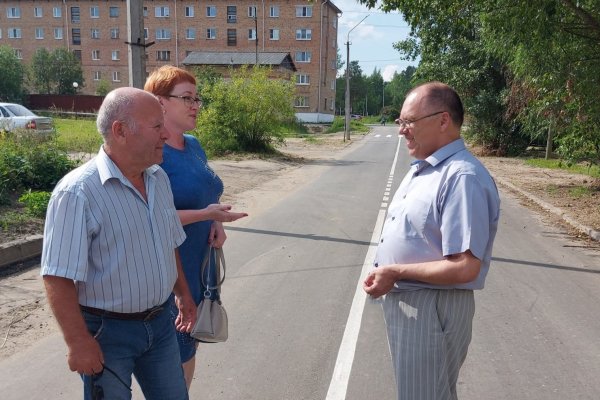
115,107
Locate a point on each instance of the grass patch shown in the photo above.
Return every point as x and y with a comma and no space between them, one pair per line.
339,124
77,135
580,191
583,169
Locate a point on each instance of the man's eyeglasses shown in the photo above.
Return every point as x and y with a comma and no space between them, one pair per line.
188,100
409,124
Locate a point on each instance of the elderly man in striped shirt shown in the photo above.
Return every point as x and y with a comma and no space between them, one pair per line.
110,262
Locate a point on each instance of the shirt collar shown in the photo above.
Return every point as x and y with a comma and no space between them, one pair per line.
445,152
107,169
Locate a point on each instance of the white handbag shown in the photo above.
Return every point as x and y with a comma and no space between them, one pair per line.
211,317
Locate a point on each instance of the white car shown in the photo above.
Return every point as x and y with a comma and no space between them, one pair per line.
15,116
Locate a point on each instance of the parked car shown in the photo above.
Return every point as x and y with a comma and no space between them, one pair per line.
355,116
15,116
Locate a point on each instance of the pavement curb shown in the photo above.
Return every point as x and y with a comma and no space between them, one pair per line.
592,233
20,250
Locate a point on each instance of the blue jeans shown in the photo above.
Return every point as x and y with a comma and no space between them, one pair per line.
146,349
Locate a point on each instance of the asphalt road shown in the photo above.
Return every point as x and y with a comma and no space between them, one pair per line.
300,329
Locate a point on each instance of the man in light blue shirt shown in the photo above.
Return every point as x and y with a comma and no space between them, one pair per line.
435,247
109,259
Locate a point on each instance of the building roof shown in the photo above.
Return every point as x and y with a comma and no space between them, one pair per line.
238,58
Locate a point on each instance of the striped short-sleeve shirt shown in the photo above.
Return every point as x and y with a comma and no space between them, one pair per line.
117,247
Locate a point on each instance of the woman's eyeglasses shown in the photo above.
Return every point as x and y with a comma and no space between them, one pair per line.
188,100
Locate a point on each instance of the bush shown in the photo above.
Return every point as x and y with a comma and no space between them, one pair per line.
36,203
28,163
245,113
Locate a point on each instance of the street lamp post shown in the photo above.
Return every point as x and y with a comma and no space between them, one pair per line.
347,100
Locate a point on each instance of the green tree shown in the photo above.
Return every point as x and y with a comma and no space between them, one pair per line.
66,70
103,87
41,70
54,72
12,74
246,112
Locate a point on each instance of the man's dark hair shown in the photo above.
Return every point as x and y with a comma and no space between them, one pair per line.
440,96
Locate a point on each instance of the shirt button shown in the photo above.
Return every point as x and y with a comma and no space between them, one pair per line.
393,218
376,265
381,240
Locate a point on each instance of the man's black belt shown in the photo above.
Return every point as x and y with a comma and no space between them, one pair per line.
147,315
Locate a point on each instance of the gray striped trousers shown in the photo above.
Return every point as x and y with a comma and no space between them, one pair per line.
429,332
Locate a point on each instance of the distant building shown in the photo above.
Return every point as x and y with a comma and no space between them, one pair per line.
303,33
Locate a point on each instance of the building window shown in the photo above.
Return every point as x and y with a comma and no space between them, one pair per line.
163,55
19,54
95,54
211,33
301,101
274,12
303,34
58,33
231,37
146,33
0,33
77,54
252,11
38,12
13,12
113,12
252,34
115,55
302,79
57,12
332,105
190,33
211,11
76,36
303,11
274,34
39,33
189,11
75,17
145,12
94,12
97,75
95,33
114,33
231,14
163,34
116,76
335,22
303,56
161,11
14,33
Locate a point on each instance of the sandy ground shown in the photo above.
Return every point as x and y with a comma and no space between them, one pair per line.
253,184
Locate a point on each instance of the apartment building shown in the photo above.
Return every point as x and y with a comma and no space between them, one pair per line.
97,31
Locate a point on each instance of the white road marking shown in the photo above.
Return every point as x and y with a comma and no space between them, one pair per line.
343,365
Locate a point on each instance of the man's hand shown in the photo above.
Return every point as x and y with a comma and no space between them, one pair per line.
85,356
187,313
379,281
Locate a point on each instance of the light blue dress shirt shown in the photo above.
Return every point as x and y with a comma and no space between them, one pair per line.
116,246
446,204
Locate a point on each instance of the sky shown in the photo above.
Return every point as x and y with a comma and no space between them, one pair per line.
371,42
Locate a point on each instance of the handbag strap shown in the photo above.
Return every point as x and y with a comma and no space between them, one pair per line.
219,261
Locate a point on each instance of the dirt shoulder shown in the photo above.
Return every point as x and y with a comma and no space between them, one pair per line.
254,184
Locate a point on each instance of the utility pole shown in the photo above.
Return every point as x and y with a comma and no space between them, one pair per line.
256,34
347,128
136,51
